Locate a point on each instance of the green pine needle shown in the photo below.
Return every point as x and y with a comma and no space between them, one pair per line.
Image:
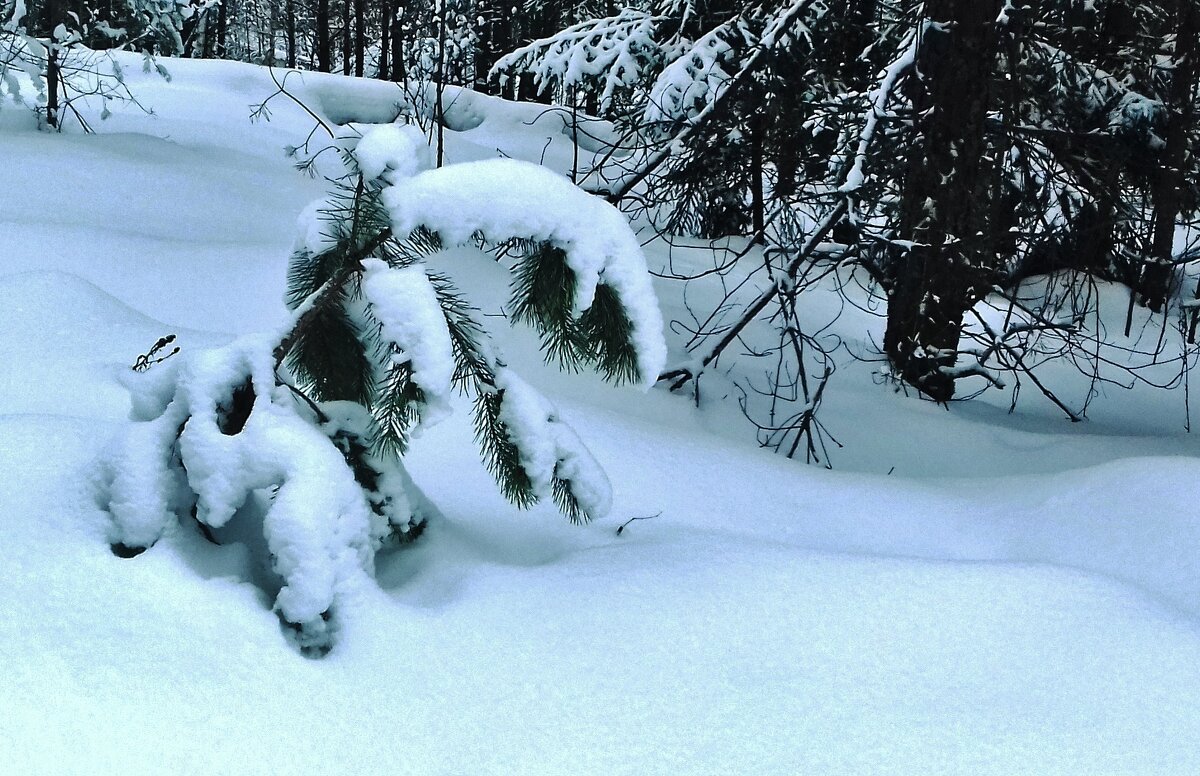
500,455
568,504
395,410
329,358
607,328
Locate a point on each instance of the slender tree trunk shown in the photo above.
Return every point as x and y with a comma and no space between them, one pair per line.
324,57
360,37
206,31
222,27
53,14
950,265
346,39
386,41
1167,192
398,70
291,33
758,207
440,108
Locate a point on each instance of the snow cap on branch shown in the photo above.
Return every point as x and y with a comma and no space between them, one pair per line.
506,198
413,329
392,152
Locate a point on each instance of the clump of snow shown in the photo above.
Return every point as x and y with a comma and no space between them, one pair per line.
504,198
392,152
413,325
139,483
549,448
314,232
317,524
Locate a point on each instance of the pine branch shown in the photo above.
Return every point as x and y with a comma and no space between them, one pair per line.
319,301
501,457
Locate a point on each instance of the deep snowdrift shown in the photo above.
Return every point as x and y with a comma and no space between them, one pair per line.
1030,616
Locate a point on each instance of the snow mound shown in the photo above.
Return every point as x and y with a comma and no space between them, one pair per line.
392,152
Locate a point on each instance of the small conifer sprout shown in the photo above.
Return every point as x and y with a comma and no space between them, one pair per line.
307,428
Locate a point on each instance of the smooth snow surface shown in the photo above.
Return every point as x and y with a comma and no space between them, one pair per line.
1019,596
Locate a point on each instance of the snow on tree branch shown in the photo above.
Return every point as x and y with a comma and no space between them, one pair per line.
507,198
877,110
615,52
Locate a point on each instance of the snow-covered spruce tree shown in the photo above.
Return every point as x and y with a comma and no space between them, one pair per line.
305,429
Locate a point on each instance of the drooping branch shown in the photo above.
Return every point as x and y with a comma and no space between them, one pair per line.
319,301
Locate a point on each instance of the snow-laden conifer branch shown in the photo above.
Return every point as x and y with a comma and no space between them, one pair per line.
877,110
614,53
785,22
330,505
506,198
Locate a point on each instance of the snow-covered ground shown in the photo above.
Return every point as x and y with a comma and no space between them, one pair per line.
1032,608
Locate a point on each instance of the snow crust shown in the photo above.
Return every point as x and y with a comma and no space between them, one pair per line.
504,198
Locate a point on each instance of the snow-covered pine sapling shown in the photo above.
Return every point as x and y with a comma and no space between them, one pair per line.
307,428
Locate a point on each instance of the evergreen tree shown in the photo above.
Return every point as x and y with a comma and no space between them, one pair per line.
321,417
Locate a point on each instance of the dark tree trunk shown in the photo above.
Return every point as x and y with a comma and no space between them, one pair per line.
385,44
758,207
222,27
360,36
291,33
347,42
951,263
1167,191
324,57
53,14
439,114
398,70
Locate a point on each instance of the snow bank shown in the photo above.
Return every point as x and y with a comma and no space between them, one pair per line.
773,619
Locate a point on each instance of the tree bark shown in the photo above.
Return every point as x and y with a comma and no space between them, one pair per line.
222,27
398,70
943,210
54,13
385,44
291,33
